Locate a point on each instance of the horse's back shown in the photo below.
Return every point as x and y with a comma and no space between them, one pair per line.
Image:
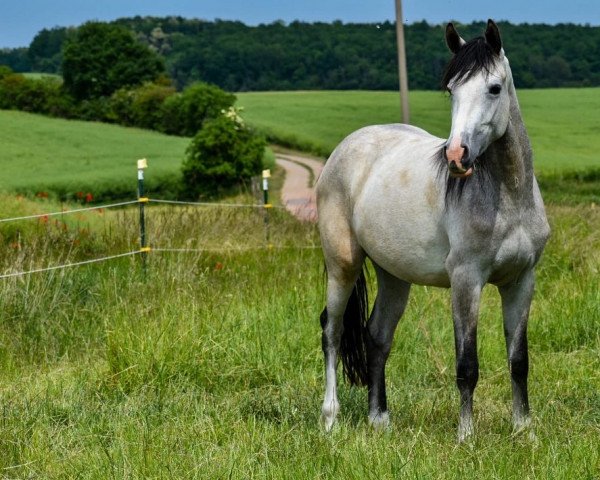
356,156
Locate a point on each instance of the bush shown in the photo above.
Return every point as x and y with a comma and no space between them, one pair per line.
5,71
225,153
185,113
142,106
94,110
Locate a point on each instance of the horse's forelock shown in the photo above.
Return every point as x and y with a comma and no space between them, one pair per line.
473,57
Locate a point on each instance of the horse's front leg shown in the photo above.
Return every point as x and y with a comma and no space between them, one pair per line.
516,300
466,294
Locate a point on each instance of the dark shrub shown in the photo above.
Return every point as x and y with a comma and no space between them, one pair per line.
44,95
185,113
142,106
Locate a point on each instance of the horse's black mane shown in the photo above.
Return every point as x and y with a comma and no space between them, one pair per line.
473,57
481,179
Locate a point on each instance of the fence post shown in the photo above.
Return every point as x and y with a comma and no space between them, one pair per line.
266,174
141,165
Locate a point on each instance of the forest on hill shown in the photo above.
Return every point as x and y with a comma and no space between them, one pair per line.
337,56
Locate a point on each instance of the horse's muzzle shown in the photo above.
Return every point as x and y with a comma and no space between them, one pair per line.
459,171
459,164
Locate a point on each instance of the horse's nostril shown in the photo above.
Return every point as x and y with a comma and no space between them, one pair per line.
466,151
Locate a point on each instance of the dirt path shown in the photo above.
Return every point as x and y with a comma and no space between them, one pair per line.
298,194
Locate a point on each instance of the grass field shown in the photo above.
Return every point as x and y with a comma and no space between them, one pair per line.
564,125
211,366
38,75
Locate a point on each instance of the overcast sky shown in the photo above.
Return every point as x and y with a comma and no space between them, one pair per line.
20,20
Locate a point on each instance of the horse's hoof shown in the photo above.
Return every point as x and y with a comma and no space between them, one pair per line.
327,422
380,420
466,432
524,429
328,414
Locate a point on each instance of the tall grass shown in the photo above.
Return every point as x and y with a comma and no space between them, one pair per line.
210,367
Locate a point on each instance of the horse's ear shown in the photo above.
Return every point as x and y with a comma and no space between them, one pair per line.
453,39
492,37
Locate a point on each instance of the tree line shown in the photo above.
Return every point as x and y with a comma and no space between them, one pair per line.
298,55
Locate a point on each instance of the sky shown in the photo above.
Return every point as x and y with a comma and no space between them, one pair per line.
20,20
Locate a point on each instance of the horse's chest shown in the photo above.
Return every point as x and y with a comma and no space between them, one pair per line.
515,249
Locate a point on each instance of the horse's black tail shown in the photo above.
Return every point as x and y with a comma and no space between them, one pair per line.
353,347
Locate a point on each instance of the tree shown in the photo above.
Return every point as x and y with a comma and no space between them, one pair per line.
100,58
223,154
45,50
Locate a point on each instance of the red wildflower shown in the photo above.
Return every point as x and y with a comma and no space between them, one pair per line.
218,266
44,219
79,195
89,197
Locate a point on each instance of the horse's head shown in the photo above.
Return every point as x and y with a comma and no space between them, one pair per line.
478,78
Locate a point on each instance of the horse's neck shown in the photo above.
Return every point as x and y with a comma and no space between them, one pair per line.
511,155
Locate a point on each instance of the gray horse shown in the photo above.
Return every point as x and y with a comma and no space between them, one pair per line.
456,213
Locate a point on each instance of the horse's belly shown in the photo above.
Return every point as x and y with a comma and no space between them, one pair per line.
408,245
418,269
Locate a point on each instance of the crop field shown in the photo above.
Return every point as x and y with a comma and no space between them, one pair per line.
209,366
62,157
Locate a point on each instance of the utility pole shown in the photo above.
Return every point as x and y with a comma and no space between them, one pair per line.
402,62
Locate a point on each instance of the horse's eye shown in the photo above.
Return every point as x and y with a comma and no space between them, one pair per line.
495,89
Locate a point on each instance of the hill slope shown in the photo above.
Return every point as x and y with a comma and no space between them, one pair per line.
63,156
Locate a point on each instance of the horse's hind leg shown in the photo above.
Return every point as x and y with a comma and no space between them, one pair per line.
392,296
516,300
338,293
343,260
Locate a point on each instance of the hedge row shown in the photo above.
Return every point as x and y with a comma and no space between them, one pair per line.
155,106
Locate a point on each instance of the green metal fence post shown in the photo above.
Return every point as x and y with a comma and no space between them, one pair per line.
266,174
142,164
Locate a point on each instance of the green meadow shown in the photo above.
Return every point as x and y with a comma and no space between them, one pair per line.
564,124
64,157
208,364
